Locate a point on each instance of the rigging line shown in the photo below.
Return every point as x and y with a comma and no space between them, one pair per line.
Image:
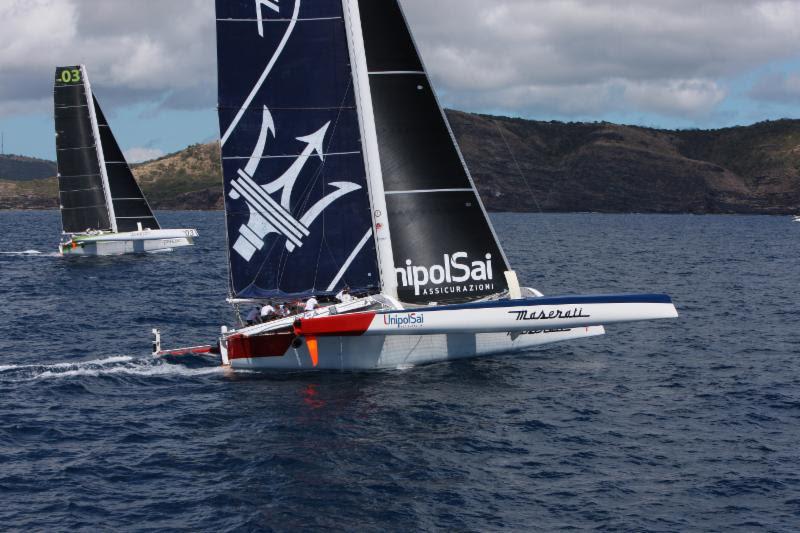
324,242
516,164
335,124
284,257
549,229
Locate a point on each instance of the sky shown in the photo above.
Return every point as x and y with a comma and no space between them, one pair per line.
657,63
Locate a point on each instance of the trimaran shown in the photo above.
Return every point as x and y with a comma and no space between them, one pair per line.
340,169
103,210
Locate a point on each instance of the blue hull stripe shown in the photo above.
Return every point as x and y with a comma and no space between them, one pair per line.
552,300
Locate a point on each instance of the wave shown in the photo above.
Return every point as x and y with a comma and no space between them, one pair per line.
30,253
93,362
120,365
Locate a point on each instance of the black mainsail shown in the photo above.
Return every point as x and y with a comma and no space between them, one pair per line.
97,190
297,206
84,205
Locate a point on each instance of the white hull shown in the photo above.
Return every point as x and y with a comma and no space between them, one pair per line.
134,242
405,351
383,339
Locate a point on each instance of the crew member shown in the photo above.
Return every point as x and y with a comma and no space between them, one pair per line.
252,316
267,312
344,295
311,304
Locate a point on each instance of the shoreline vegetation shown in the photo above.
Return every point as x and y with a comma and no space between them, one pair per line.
528,166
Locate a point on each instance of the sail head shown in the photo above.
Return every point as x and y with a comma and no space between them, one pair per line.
297,205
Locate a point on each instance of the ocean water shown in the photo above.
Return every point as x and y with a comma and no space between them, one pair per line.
690,424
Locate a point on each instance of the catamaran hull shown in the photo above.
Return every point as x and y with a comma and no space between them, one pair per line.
395,338
128,247
137,242
404,351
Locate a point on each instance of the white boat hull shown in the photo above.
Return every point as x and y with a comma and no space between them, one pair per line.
133,242
356,336
397,338
406,351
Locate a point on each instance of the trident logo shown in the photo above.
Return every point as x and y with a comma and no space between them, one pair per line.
270,216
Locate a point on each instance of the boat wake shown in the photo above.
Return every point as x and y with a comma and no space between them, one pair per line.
29,253
109,366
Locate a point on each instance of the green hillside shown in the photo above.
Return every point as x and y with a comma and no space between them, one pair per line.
523,165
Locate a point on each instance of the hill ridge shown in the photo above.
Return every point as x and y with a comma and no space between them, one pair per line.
525,165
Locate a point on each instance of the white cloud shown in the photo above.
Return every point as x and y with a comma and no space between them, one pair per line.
578,57
141,51
528,57
141,154
688,98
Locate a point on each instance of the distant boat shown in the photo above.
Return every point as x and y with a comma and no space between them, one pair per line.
340,170
103,210
797,218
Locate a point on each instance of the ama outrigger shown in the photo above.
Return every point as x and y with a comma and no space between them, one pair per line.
103,210
340,169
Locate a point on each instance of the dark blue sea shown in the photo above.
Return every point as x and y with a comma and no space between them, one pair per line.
684,425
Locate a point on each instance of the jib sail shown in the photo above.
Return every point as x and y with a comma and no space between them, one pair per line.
297,205
130,206
97,190
444,248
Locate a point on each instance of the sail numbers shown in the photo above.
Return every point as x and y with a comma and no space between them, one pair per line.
70,76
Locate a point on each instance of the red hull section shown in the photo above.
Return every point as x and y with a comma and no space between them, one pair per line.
334,326
275,345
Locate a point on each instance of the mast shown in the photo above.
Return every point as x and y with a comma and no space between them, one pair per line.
377,193
101,160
